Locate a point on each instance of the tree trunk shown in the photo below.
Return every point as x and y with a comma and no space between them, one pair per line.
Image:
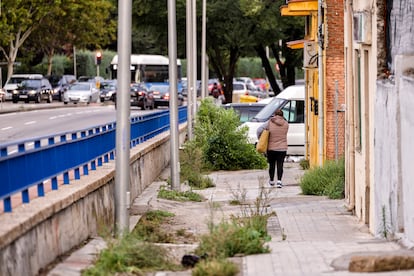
268,69
50,61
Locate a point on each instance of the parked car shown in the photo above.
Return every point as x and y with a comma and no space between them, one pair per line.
107,89
292,102
95,79
161,94
261,83
60,84
35,89
246,111
14,80
81,92
239,89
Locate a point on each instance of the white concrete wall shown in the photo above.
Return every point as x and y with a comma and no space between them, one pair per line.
35,234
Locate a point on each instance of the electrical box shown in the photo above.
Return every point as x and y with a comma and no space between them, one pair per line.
310,54
362,27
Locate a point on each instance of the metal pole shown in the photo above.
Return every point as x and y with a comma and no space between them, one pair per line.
172,55
321,85
194,60
123,125
203,53
189,71
336,120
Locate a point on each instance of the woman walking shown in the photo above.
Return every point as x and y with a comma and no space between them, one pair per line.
277,145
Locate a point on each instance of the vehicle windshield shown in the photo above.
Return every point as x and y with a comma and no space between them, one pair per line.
269,110
79,86
30,83
160,88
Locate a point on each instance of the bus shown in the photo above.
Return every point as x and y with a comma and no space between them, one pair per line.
149,69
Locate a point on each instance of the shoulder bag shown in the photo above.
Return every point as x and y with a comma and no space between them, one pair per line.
261,145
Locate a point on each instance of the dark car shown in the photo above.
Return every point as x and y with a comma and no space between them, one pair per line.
107,89
161,94
60,84
36,90
140,96
246,111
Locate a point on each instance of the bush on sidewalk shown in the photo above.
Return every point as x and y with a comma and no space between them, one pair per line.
223,144
328,180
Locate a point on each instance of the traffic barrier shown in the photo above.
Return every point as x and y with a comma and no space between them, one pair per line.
64,156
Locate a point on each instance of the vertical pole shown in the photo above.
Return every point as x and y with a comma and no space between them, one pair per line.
203,53
172,55
74,62
336,120
194,52
189,71
123,124
321,111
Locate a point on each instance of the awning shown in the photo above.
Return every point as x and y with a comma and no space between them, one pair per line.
296,44
299,8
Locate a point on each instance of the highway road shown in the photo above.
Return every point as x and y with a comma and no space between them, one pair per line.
57,118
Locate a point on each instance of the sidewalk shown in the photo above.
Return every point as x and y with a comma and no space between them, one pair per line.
310,235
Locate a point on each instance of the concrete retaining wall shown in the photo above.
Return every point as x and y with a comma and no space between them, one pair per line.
35,234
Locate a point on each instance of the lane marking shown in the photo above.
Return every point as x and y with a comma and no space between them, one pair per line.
30,123
6,128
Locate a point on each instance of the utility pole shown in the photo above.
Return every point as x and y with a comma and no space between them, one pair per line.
203,52
123,125
190,88
172,55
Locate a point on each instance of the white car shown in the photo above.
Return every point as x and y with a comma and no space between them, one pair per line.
292,102
81,92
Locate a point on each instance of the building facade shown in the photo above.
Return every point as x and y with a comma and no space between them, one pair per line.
379,88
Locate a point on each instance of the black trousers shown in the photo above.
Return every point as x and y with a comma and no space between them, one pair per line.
276,158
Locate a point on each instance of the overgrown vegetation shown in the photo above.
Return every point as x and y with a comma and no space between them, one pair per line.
179,195
222,143
133,256
215,267
245,234
304,164
148,229
328,180
192,166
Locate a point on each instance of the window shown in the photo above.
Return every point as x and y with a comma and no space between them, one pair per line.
293,111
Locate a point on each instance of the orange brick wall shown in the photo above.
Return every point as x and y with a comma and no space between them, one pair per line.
335,70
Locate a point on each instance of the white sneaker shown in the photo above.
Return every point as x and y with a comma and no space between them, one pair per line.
279,184
271,183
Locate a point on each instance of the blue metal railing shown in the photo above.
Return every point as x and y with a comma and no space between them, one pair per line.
29,163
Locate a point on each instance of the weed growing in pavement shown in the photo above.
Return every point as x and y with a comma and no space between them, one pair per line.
328,180
149,227
178,195
191,167
304,164
132,256
238,196
215,267
384,223
284,236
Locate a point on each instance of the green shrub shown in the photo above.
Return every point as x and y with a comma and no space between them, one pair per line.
130,255
214,268
224,146
230,238
192,167
328,180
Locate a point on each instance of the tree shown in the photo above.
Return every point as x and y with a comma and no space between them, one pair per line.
87,24
18,20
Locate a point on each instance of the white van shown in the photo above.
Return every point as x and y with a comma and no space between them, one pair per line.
16,79
292,102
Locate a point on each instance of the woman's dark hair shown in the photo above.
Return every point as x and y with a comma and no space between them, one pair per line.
279,112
